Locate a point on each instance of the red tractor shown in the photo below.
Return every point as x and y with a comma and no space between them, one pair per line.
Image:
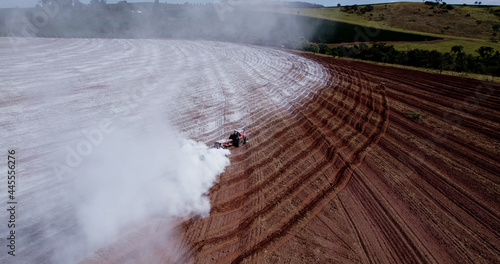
237,138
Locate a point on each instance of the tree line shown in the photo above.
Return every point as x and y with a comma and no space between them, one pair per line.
487,60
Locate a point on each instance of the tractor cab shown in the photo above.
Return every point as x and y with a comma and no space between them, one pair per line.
237,138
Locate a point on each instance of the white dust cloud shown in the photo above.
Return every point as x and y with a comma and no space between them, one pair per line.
135,176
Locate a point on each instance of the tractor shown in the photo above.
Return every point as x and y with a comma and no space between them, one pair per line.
237,138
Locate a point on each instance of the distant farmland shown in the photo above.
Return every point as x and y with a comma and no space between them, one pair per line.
254,27
329,31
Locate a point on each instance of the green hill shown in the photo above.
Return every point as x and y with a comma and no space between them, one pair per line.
468,26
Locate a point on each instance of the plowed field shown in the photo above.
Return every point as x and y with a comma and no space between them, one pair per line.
348,162
352,174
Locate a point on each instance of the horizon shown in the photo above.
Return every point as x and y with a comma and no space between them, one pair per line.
326,3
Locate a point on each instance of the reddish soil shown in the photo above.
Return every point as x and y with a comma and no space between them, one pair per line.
346,175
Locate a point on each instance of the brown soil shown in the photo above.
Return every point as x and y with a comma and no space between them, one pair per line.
345,175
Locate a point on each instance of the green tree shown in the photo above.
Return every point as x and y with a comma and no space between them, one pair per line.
457,49
485,52
314,49
324,49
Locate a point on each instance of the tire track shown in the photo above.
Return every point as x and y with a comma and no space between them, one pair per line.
320,129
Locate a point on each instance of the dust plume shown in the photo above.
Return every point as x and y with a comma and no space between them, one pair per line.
136,176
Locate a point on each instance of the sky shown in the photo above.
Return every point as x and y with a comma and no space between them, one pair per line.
32,3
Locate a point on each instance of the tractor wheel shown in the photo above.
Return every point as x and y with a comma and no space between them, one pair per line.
238,142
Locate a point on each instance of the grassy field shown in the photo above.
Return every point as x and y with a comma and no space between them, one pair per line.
469,26
470,46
